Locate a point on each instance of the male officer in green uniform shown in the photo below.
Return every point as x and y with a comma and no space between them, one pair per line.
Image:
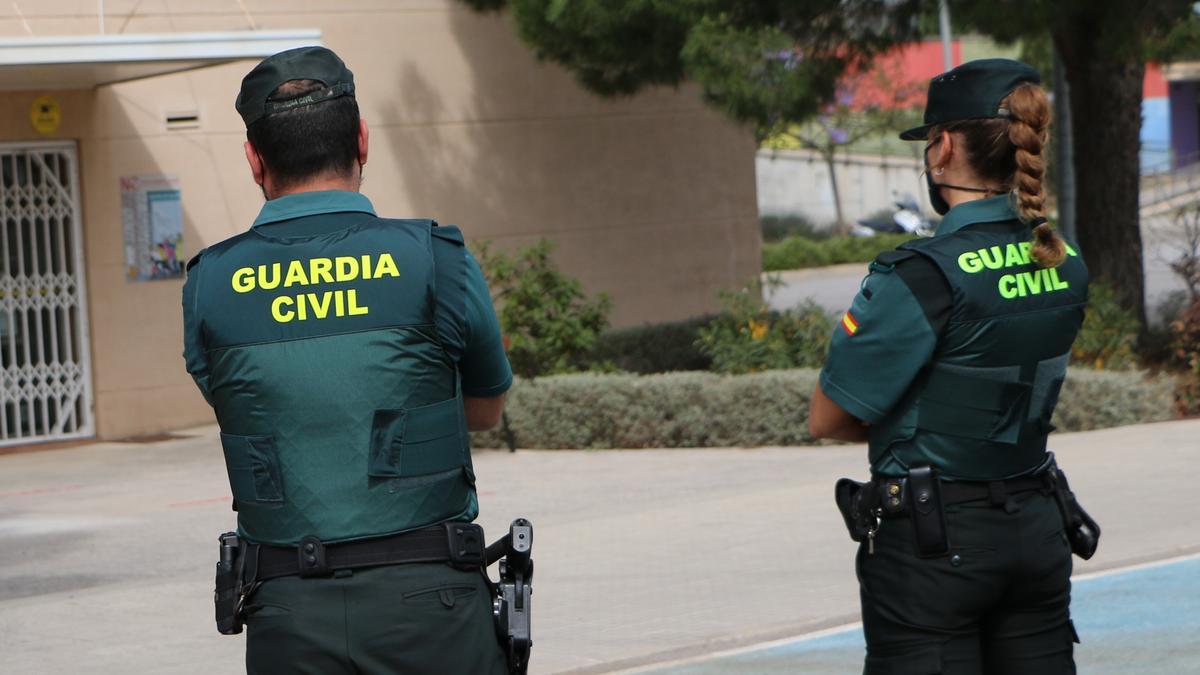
948,364
346,356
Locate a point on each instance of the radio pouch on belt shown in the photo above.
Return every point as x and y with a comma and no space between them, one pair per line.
925,509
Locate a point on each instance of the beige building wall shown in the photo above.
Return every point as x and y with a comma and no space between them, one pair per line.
651,198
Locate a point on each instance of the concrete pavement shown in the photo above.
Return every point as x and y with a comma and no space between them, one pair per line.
1130,621
107,550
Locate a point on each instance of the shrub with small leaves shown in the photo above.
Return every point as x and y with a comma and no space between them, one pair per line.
748,337
689,410
549,323
1185,345
797,252
654,348
1185,351
1108,337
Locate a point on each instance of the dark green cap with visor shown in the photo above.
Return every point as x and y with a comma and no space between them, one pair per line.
973,90
303,63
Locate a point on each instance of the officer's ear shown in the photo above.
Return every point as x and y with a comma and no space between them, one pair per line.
362,141
941,150
256,164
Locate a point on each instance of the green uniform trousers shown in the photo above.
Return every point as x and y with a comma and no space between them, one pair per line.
414,619
998,604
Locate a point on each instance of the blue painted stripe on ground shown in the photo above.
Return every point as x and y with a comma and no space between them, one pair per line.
1143,620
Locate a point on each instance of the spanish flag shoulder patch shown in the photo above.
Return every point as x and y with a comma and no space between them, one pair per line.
849,324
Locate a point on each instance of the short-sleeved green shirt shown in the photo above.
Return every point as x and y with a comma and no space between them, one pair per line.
886,337
466,319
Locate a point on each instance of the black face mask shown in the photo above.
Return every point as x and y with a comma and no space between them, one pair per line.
939,203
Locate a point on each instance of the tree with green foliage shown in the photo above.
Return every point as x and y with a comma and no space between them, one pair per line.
775,63
1104,46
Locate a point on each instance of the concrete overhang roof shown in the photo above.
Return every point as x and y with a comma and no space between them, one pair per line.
86,61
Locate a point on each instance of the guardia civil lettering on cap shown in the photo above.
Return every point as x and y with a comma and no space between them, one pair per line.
302,63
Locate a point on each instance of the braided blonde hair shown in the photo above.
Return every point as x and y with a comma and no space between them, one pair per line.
1009,151
1028,131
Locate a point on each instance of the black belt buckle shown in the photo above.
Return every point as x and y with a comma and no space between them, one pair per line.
310,555
925,509
466,545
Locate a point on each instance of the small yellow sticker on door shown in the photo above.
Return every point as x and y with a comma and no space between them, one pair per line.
45,114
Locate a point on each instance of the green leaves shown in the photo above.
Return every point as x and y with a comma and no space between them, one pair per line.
766,63
1108,337
747,337
613,47
548,322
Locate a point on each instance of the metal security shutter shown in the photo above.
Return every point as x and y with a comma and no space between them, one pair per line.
45,371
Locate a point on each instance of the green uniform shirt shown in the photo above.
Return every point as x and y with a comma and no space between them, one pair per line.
466,319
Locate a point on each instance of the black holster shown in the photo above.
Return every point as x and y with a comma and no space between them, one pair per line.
511,606
1082,531
854,502
228,593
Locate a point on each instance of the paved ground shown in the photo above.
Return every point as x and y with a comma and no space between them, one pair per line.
1134,621
107,550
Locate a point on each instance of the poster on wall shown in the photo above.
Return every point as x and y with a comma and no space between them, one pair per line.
152,214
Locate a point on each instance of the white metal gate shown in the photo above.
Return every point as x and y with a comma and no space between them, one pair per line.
45,370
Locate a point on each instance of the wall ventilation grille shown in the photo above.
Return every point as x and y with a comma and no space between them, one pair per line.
188,119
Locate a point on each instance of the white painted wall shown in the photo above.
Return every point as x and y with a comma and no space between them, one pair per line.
796,182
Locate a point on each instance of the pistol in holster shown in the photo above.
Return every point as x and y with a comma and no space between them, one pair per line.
511,606
228,595
855,501
1083,532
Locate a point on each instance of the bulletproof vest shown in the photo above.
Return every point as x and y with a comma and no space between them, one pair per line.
981,409
340,412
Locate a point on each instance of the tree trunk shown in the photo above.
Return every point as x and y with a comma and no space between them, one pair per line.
1106,120
841,227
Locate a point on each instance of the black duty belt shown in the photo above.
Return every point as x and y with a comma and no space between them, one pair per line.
459,544
890,492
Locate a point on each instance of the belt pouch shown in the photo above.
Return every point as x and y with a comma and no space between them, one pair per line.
925,509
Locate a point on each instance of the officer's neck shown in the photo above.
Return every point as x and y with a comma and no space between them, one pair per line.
964,176
329,182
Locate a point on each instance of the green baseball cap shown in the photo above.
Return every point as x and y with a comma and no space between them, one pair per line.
971,91
303,63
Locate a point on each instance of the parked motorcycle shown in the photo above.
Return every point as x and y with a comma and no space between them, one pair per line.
906,218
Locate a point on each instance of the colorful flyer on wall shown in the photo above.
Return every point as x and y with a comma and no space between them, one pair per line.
153,218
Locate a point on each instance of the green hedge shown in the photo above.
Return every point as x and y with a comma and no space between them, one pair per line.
693,409
653,348
796,252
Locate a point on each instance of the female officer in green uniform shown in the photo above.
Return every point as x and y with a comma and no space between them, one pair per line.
949,364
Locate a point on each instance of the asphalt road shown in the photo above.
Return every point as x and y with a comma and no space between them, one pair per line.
644,557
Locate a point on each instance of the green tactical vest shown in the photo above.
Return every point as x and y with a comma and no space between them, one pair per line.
981,409
340,413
